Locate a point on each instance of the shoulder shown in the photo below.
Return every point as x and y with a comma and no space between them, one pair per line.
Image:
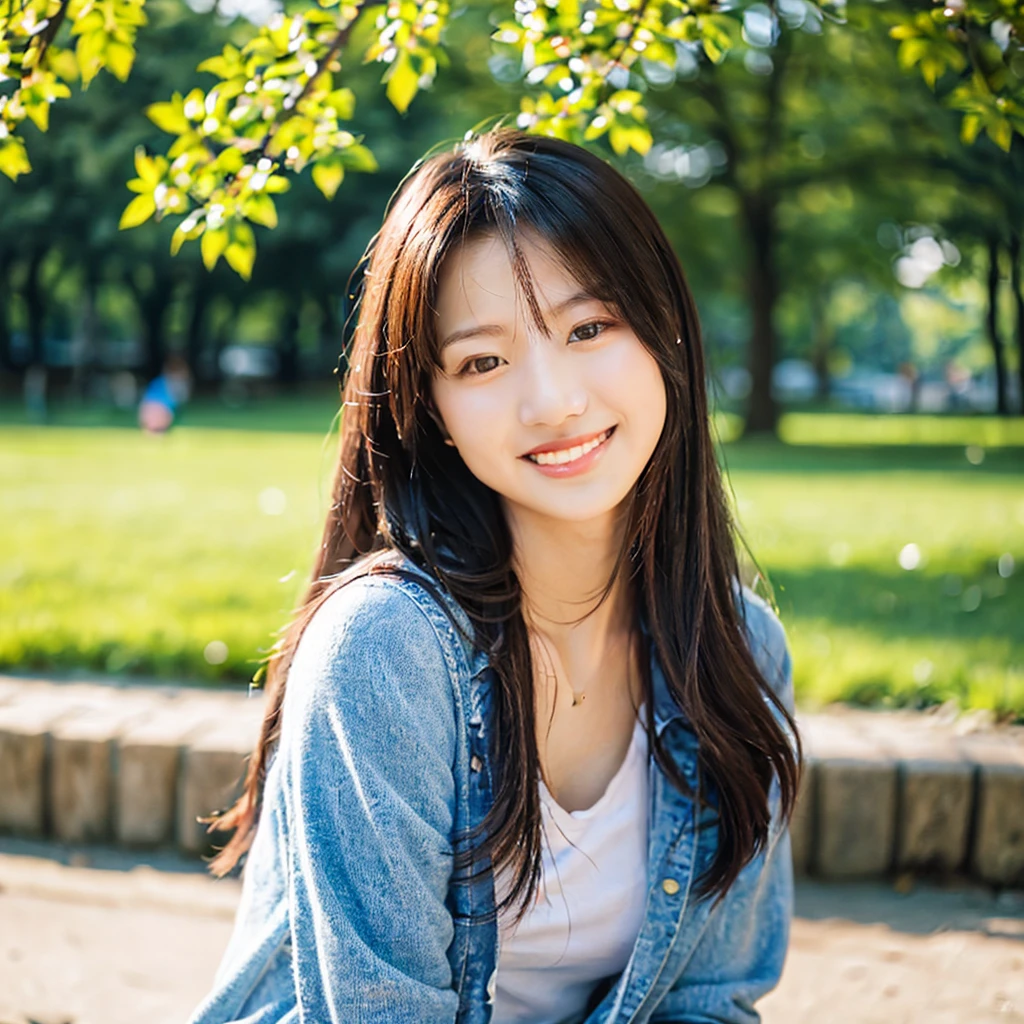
766,638
379,644
380,610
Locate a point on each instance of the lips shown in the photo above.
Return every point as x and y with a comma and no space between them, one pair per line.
567,443
569,452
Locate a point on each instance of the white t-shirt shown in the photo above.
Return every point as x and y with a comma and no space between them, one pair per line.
590,902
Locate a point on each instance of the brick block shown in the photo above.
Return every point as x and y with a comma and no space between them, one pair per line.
149,761
998,854
213,766
856,810
801,827
24,748
936,795
82,770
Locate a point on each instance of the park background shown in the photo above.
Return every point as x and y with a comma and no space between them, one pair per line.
826,212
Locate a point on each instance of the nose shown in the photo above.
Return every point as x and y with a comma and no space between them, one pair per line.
552,389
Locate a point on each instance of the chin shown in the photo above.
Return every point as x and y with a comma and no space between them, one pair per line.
569,511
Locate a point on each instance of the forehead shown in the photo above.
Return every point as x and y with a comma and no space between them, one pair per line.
483,277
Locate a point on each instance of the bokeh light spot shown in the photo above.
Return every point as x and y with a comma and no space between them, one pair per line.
216,652
923,671
839,552
910,557
273,501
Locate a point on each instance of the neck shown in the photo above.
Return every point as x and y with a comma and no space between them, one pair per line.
563,570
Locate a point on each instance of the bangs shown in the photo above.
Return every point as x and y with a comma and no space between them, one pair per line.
594,225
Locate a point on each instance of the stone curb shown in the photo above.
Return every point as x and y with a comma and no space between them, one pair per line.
137,765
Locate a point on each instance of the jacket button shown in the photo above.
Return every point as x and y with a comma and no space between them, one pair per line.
475,764
670,886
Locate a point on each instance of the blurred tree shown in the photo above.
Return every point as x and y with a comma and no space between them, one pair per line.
60,225
981,210
590,71
815,139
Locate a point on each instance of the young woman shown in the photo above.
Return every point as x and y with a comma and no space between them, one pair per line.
528,752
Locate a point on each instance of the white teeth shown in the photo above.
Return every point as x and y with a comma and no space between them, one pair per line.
565,455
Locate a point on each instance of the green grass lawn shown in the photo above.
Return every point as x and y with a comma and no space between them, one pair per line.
159,555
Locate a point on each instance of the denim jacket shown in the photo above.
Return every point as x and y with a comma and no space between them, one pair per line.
349,910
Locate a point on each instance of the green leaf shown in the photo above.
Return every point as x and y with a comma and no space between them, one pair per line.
597,127
169,117
619,138
212,246
276,184
640,139
120,58
137,212
260,209
911,51
1000,131
39,113
62,63
13,158
149,169
359,158
241,253
969,128
328,174
711,49
89,54
186,232
343,101
224,65
403,82
904,31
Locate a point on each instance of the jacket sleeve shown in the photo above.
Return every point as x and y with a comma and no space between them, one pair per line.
739,954
368,746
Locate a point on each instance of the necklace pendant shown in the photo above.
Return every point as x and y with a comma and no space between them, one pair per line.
578,698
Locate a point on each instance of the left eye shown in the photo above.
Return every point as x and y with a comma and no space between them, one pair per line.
587,332
480,365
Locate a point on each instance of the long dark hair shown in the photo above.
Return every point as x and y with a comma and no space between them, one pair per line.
399,487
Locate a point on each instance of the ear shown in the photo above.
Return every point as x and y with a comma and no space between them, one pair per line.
428,404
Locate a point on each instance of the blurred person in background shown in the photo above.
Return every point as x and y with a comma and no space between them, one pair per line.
163,395
528,753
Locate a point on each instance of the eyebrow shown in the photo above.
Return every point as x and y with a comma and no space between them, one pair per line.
495,330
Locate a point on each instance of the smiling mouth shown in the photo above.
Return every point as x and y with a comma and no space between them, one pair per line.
565,456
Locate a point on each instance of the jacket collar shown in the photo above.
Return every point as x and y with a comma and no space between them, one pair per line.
666,710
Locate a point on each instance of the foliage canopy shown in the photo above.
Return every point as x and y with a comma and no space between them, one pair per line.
280,103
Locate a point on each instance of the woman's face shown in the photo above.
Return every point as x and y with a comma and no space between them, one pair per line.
559,422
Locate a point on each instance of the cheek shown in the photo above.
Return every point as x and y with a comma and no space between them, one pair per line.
473,418
630,380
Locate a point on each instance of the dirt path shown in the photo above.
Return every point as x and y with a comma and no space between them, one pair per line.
123,939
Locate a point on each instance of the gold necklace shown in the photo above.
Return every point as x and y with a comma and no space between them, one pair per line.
579,696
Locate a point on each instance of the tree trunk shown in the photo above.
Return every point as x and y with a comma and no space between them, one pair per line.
6,340
992,327
35,308
87,362
153,310
822,337
1017,287
330,342
195,336
762,411
288,347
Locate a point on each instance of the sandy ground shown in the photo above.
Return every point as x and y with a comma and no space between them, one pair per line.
101,937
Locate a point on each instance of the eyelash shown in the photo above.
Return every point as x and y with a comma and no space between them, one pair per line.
602,324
